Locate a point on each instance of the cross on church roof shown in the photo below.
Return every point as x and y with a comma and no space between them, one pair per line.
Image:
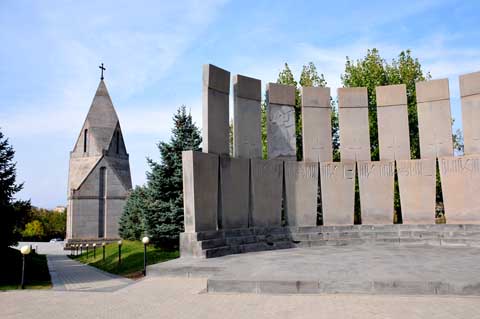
101,68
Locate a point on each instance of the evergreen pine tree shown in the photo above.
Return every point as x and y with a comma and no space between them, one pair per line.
164,212
132,222
13,212
161,205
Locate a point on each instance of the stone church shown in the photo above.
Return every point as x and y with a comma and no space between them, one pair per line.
99,174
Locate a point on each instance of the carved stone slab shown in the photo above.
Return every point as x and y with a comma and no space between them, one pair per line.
338,192
247,134
392,116
460,178
316,124
266,192
200,191
434,118
353,122
215,118
301,191
234,192
416,182
376,191
470,93
281,137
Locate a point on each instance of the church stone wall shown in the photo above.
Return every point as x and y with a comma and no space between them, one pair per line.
99,174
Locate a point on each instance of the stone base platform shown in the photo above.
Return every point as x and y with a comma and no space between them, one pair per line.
227,242
421,269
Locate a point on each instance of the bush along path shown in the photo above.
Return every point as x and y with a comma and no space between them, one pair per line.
36,270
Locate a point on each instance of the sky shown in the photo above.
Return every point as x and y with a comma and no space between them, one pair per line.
154,52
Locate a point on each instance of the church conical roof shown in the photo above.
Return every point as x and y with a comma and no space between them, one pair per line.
102,119
100,136
101,122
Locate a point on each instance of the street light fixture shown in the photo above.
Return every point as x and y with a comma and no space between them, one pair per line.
25,250
86,245
94,250
103,247
120,251
145,241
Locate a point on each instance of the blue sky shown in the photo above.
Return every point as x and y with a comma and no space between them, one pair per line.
154,51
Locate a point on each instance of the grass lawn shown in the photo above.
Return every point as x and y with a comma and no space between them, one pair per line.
132,258
36,270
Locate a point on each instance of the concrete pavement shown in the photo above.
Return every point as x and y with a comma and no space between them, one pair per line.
164,297
371,269
185,298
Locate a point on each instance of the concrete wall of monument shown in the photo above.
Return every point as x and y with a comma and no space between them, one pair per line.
246,191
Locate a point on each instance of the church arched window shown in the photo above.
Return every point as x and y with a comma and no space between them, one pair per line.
85,140
118,142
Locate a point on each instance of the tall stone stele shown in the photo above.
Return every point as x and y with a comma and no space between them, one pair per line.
99,174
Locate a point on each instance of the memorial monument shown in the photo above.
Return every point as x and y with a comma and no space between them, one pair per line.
246,203
99,173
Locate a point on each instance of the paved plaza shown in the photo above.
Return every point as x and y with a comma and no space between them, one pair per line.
181,297
372,269
185,298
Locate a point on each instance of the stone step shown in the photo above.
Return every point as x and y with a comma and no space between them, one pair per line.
212,243
269,286
370,234
246,248
392,227
464,242
224,242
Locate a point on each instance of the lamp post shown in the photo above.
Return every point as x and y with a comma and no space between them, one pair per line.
145,241
119,251
94,250
103,248
81,249
87,250
25,250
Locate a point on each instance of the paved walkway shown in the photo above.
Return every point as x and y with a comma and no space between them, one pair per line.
68,274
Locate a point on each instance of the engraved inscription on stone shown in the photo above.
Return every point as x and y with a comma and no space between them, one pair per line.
460,177
338,192
434,118
353,122
247,136
281,138
392,116
417,185
234,192
470,93
266,192
316,124
376,191
215,118
301,185
200,191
